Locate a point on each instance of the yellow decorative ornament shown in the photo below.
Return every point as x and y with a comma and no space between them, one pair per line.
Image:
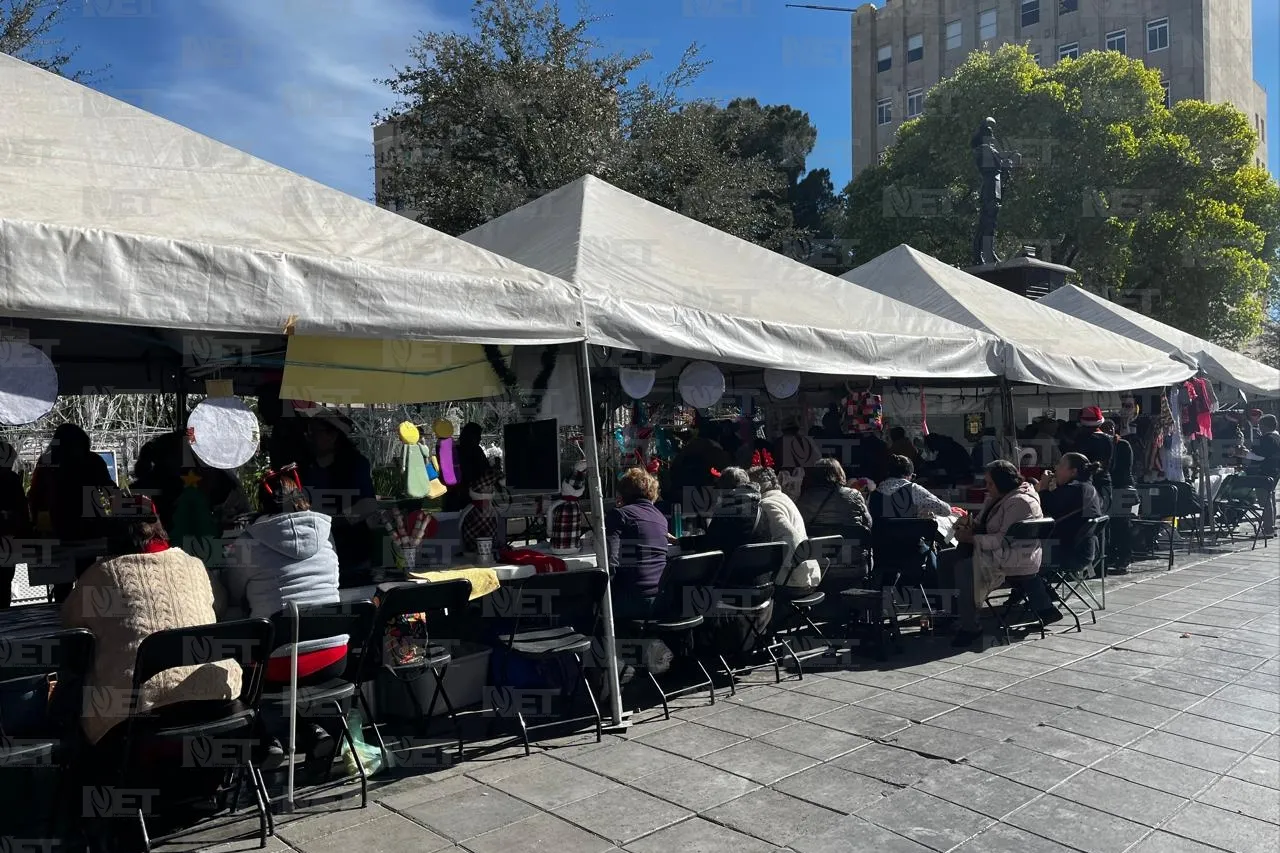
409,433
421,471
443,428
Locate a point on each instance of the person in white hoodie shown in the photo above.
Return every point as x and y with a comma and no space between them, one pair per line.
899,496
782,522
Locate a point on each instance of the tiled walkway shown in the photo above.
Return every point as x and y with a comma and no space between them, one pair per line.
1154,731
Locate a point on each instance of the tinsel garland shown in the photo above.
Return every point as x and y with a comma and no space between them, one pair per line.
550,354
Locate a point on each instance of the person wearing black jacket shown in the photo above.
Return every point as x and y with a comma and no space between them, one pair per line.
1099,448
15,518
1119,529
1070,499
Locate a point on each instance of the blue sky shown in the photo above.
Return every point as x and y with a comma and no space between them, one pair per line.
294,81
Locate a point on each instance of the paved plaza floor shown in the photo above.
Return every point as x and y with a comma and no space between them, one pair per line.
1153,731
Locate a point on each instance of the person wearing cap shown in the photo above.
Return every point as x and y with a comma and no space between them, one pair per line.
1094,444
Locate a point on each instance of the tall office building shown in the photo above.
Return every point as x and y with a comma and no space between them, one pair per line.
1203,49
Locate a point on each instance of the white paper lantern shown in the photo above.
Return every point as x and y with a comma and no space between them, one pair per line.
701,385
223,432
781,384
28,383
637,381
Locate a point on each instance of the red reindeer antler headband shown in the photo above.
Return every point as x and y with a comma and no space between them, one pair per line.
273,474
762,459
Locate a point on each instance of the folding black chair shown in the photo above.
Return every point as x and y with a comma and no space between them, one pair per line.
1241,499
682,606
1158,509
552,616
1021,535
795,604
1190,514
323,701
743,607
905,556
204,729
438,602
1067,572
27,664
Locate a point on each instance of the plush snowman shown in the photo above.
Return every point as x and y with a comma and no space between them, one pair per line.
480,520
566,520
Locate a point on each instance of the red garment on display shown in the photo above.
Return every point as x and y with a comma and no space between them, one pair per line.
542,563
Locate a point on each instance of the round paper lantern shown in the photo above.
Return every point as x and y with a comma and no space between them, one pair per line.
636,381
781,384
223,432
701,385
28,383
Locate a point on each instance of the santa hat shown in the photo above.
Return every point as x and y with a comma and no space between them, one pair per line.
1091,416
576,483
484,487
1255,413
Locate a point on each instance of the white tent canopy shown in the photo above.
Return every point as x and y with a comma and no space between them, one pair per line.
1219,363
111,214
1041,346
656,281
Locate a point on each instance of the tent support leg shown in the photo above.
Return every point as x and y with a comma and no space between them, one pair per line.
1009,438
587,406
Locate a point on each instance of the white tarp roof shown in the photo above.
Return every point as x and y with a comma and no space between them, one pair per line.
111,214
1218,362
656,281
1041,346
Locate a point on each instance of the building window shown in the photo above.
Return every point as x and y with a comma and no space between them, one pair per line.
1069,51
955,35
1066,7
915,48
1030,12
1157,35
884,59
1263,132
1118,41
915,103
987,25
1035,57
1168,102
884,111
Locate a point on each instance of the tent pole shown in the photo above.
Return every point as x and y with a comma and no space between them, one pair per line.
1009,439
586,403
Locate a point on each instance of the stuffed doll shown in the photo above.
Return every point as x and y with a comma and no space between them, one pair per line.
480,520
421,471
566,520
443,429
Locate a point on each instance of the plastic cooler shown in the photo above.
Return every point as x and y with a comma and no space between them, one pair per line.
464,680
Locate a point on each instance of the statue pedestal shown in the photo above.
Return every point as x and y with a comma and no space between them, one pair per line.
1025,276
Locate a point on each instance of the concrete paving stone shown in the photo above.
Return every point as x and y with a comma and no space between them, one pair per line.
1246,798
1185,750
1119,797
1156,695
926,819
1075,748
1009,839
885,679
800,706
1022,765
938,742
487,770
945,691
746,721
695,786
554,786
759,762
774,816
1160,648
700,836
699,708
470,813
1260,681
1239,738
542,833
855,835
927,668
691,739
1103,665
890,764
861,721
914,708
1098,727
1039,656
1077,826
385,833
1270,748
1223,829
647,722
1047,691
978,790
1130,710
981,723
1271,668
1163,842
622,815
403,795
1152,771
1259,699
626,761
1183,681
755,693
814,740
1009,664
1015,707
1123,655
836,689
976,677
1258,770
835,788
1236,646
1213,619
243,845
1083,680
1205,669
313,826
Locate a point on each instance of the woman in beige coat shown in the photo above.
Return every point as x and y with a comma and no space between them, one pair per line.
146,587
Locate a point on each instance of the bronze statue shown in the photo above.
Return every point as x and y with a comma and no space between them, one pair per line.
995,169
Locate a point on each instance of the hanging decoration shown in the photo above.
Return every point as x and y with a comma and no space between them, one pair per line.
28,383
443,429
637,381
511,382
862,412
566,521
781,384
701,384
421,471
223,432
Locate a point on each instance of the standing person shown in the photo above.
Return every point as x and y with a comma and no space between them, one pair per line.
470,464
1253,430
900,445
1119,529
1098,446
1068,497
1268,448
339,483
15,519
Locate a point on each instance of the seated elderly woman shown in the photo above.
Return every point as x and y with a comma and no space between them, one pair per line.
736,519
636,532
783,523
829,506
986,557
145,587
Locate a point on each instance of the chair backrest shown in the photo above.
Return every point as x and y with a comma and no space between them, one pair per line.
753,566
1250,488
320,621
63,652
827,551
1157,501
684,574
245,641
902,547
1033,529
1188,500
555,599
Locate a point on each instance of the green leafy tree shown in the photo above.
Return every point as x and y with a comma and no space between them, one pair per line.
28,31
1160,208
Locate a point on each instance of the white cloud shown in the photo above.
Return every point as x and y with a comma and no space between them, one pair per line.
294,81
